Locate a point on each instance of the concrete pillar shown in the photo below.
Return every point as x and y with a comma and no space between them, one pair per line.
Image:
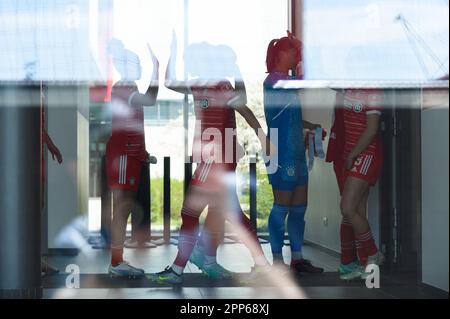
20,135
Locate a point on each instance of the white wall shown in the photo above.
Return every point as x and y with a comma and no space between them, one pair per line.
68,183
435,209
323,192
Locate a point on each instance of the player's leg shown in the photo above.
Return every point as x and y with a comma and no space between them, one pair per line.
354,190
140,215
296,229
123,203
209,237
353,203
242,226
195,202
204,255
362,211
349,260
247,233
368,252
277,221
363,174
123,179
355,268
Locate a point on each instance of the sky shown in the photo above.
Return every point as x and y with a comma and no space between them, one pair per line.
361,40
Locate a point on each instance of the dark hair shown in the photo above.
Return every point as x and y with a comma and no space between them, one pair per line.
278,45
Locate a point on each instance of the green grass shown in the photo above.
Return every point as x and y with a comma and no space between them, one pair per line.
176,195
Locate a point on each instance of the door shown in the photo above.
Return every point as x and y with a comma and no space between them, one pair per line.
400,199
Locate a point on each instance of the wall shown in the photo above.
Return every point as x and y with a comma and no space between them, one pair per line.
435,208
68,183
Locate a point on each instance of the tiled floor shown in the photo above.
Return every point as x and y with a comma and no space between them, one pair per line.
94,283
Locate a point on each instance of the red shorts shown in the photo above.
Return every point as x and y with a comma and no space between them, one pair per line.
214,176
123,171
365,167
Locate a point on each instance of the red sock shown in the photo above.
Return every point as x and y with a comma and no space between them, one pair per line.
188,237
116,255
368,243
362,256
348,249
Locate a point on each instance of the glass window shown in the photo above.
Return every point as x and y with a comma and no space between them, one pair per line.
376,39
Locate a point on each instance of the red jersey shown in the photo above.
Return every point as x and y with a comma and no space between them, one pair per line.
336,142
357,105
127,121
215,123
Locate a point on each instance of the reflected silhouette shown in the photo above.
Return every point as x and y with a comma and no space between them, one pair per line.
126,157
211,69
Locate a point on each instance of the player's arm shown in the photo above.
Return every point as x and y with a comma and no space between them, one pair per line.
253,122
171,81
149,98
371,131
239,87
239,103
241,93
51,146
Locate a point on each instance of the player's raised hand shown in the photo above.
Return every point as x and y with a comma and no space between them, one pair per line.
153,56
173,44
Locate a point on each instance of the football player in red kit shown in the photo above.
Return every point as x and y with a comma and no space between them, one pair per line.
214,149
358,161
125,151
349,260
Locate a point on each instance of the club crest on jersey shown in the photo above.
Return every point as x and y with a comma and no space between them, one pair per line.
357,107
290,171
203,103
132,180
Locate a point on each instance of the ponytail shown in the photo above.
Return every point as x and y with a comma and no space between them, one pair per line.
272,55
278,45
